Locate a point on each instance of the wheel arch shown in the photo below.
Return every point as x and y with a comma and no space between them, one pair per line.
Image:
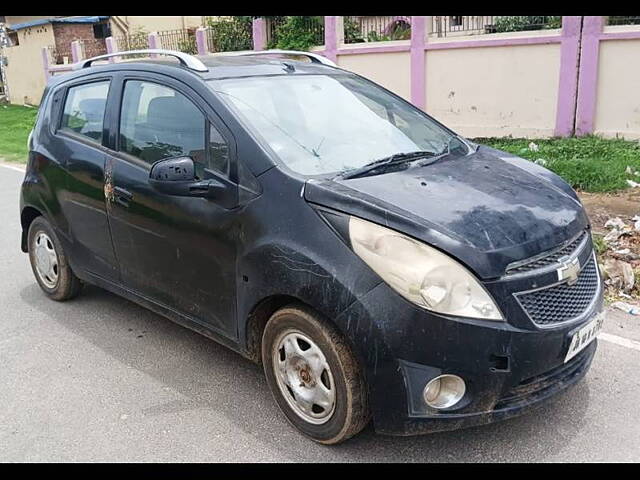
27,216
261,313
258,318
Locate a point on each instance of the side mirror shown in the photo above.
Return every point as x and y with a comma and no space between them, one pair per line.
177,176
178,169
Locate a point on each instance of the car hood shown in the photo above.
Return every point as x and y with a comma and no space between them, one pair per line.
487,209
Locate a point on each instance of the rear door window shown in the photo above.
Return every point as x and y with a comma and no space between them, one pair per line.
84,109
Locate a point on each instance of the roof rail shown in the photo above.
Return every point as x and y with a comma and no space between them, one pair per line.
314,57
189,61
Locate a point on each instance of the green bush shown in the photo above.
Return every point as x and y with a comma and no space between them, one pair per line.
352,33
518,24
232,34
399,33
298,33
188,45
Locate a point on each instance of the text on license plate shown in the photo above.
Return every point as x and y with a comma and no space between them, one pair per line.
584,336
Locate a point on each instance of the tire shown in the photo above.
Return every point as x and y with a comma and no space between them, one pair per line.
49,262
291,334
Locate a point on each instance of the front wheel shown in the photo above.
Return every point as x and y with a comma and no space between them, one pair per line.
314,376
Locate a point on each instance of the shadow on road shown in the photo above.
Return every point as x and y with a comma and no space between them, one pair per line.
210,376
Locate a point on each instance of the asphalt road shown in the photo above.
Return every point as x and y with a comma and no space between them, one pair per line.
102,379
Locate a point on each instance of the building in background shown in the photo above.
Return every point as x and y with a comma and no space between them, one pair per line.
27,35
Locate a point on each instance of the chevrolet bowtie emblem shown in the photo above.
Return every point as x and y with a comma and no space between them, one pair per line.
569,271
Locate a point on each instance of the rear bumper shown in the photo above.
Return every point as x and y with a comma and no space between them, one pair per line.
508,370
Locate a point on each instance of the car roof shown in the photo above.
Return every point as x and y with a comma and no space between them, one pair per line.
219,66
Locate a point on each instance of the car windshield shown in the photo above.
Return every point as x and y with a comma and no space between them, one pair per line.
320,124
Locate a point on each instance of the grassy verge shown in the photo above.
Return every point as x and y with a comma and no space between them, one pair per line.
15,124
591,164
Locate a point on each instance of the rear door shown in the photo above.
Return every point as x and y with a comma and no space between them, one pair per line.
77,144
177,251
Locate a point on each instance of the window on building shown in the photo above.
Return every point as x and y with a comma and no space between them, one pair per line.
101,30
13,38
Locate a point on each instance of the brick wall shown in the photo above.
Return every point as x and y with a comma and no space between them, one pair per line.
65,33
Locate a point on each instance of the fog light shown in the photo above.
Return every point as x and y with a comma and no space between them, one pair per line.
444,391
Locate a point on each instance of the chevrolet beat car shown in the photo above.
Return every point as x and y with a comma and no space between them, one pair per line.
378,265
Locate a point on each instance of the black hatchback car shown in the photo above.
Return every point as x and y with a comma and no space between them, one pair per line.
377,264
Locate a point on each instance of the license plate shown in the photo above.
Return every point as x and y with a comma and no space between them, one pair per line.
584,336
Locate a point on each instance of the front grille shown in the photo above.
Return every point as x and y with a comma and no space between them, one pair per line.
527,390
562,302
546,258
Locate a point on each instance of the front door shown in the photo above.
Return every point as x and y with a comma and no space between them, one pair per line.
177,251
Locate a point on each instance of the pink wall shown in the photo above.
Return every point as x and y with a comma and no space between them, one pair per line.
579,51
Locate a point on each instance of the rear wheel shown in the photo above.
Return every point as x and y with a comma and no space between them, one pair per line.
314,376
49,262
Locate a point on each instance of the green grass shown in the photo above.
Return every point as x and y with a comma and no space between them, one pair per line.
15,124
599,244
591,164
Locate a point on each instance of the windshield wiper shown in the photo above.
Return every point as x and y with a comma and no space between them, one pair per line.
396,159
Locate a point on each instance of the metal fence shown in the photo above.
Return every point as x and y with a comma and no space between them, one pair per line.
182,40
273,26
308,26
443,26
623,20
134,41
359,29
228,35
93,47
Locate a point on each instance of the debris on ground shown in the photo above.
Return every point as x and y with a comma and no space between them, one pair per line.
533,147
618,250
615,223
619,274
625,307
630,171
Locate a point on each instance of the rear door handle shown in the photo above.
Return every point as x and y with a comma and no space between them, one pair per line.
122,196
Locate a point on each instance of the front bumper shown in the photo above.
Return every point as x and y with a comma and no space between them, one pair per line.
507,369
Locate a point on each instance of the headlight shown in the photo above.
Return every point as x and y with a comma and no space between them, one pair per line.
420,273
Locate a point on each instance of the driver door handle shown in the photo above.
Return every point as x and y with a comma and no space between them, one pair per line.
122,196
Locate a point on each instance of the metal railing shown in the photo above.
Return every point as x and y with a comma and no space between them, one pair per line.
134,41
182,40
310,26
623,20
452,25
93,47
227,35
359,29
272,27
